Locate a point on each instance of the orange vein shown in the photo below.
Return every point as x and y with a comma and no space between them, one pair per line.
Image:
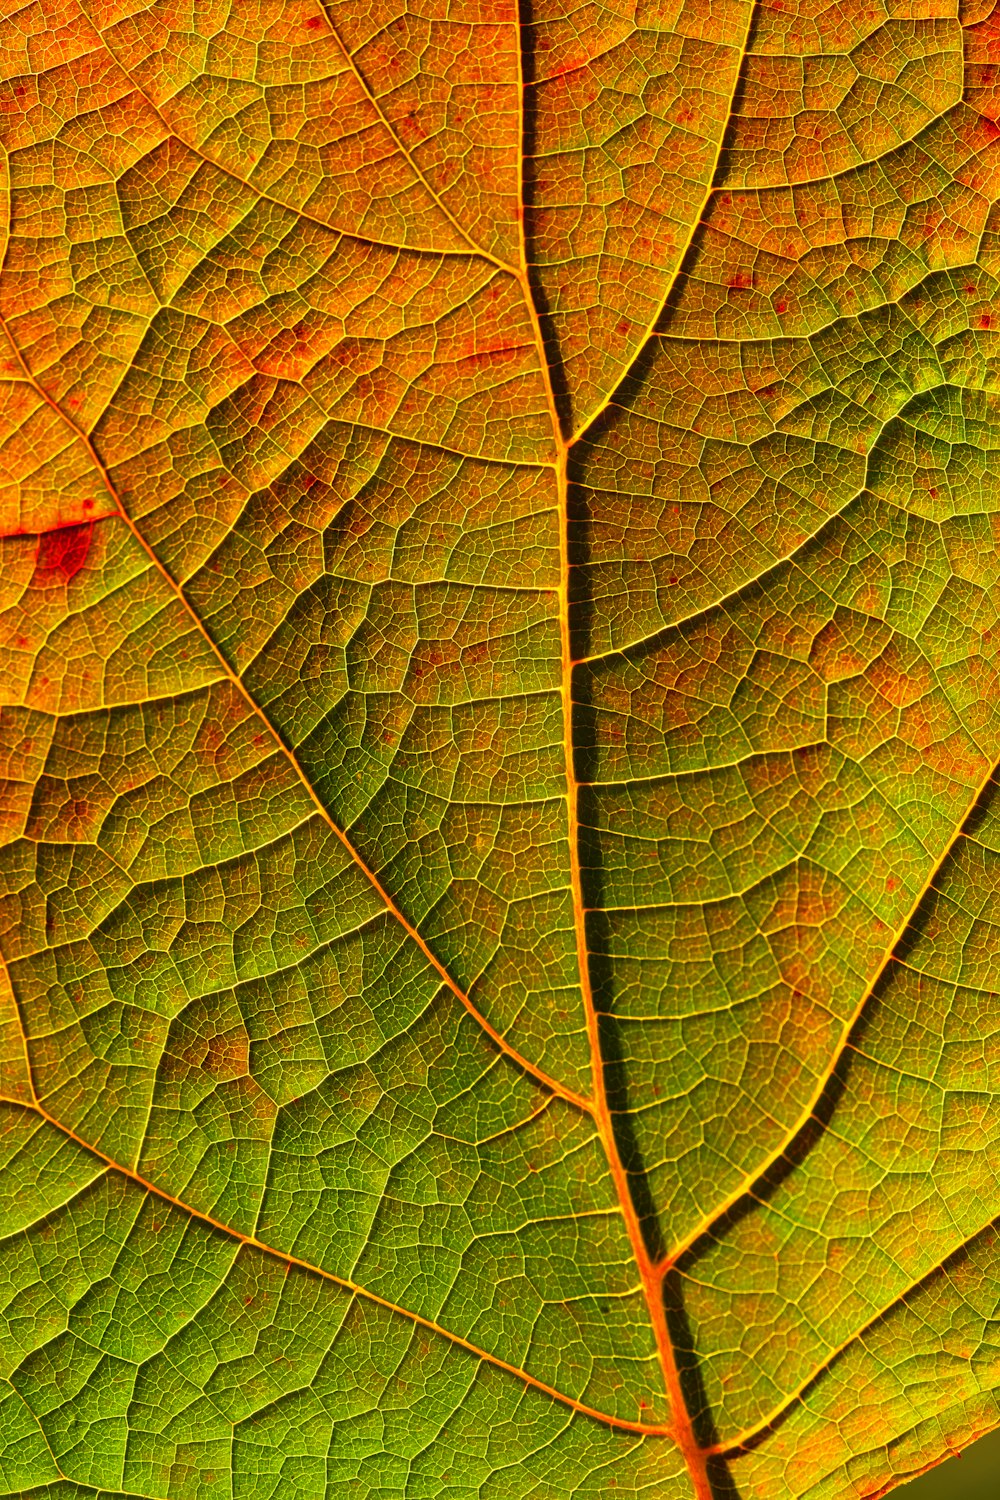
645,1429
746,1187
253,1243
680,1427
530,1068
734,1446
692,231
132,1175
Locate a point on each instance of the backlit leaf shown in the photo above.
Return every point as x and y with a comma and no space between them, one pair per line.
501,858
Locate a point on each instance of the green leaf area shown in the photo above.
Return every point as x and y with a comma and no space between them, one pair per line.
499,835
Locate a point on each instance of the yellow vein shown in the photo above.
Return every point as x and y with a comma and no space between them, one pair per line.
261,193
734,1446
530,1068
9,994
746,1187
403,150
36,1419
695,224
608,1419
644,1429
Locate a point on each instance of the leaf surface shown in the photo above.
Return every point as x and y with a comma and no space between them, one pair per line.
500,855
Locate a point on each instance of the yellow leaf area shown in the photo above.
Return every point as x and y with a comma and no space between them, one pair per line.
500,865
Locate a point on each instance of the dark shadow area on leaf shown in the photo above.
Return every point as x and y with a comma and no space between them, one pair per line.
720,1476
529,193
721,1479
793,1156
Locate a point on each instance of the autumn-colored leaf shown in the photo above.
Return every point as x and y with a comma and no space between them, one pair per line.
501,848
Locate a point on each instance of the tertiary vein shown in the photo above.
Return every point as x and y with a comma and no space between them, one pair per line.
684,254
473,248
749,1437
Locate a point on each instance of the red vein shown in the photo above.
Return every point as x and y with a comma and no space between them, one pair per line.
530,1068
644,1429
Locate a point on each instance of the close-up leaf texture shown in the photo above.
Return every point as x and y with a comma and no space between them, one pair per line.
500,866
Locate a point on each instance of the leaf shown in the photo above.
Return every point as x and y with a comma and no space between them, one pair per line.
502,860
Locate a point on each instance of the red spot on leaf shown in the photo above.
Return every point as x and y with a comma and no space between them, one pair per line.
61,554
572,66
